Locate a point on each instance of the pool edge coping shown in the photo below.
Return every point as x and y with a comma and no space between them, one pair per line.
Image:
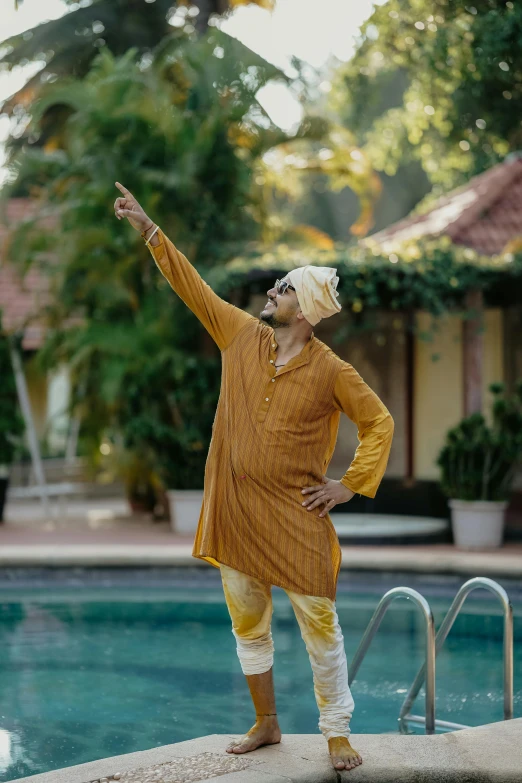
355,558
388,758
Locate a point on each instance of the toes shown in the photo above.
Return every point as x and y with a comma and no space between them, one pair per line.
338,764
352,762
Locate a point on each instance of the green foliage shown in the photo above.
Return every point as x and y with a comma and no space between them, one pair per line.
67,46
182,134
478,461
142,387
171,130
162,413
175,425
432,274
11,422
437,82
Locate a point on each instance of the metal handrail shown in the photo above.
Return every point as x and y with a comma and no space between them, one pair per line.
372,628
447,624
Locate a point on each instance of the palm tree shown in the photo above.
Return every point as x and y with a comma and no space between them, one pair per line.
180,133
68,45
182,127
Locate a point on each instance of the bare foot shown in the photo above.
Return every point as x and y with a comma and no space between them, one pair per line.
342,754
266,731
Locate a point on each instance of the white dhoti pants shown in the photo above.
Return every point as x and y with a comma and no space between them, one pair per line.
249,602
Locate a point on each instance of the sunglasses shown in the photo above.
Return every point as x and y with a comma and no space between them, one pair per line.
282,286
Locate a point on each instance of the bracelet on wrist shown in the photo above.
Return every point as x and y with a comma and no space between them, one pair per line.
147,229
148,240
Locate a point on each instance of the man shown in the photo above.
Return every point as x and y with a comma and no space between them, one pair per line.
264,519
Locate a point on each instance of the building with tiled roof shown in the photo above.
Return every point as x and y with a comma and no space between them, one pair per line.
448,375
485,214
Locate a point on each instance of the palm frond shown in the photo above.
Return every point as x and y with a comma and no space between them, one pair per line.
71,43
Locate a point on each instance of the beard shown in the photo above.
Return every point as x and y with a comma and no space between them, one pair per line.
271,319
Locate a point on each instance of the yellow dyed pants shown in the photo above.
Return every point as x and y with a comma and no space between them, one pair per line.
249,602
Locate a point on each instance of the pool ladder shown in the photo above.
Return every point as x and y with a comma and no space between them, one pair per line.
433,646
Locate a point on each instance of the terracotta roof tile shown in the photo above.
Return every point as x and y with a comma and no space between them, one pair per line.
485,214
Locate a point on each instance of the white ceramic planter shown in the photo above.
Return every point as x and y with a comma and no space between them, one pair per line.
185,506
477,524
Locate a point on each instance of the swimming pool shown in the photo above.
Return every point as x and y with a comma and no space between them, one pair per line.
96,663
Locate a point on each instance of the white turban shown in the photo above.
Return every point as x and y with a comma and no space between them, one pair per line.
315,287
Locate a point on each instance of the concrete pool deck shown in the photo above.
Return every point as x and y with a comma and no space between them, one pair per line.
487,754
62,550
102,532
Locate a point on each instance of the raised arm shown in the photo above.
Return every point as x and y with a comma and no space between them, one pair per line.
221,319
375,427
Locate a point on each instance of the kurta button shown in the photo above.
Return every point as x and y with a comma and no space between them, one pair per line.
271,361
266,399
273,380
273,345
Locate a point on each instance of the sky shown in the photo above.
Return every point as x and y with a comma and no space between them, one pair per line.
311,30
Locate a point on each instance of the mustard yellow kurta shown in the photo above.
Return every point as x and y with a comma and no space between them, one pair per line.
274,434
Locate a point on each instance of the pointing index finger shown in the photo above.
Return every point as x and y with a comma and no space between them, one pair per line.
123,190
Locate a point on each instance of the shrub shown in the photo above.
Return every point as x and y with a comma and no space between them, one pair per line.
478,460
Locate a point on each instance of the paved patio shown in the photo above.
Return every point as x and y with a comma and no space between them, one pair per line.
102,531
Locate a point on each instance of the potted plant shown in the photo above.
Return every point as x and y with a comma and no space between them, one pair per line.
183,471
11,422
135,468
165,462
163,413
478,464
176,428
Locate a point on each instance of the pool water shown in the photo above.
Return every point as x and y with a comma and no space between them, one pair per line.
89,671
